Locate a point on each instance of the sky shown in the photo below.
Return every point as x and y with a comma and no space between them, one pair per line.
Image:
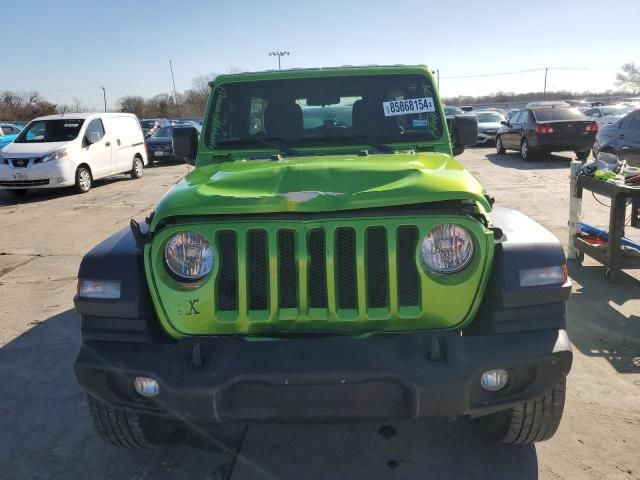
71,48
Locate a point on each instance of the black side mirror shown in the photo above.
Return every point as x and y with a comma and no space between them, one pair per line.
504,122
464,132
185,144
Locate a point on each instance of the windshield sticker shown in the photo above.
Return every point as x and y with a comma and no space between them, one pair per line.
70,125
408,107
421,122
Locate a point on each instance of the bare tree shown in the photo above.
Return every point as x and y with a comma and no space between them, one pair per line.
629,78
77,105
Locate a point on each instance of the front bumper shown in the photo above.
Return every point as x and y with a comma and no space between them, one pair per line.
53,174
486,137
406,375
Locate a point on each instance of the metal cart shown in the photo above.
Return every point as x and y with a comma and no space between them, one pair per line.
621,196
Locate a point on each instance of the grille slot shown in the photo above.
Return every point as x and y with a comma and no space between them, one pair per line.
228,276
377,270
287,272
23,183
258,270
346,268
371,270
317,269
408,279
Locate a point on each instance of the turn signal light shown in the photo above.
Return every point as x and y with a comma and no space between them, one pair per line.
543,129
591,127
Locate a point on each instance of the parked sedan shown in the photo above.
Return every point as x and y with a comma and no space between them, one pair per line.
608,114
547,127
622,138
8,133
160,144
151,125
489,122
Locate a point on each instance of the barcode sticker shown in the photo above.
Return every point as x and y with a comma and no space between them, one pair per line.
408,106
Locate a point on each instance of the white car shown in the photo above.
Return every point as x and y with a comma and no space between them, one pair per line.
608,113
73,149
488,124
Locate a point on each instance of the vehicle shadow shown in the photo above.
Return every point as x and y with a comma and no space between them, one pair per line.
513,160
46,431
596,327
42,195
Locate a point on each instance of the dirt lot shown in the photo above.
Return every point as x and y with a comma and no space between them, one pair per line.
45,430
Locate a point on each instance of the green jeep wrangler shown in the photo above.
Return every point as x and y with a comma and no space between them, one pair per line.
326,260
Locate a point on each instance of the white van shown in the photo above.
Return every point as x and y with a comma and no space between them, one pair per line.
73,149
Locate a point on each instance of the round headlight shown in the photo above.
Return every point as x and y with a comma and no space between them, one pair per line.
188,256
447,248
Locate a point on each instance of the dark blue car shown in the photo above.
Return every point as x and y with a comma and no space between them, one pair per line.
160,144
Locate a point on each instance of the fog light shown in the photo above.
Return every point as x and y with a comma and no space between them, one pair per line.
147,387
60,179
494,380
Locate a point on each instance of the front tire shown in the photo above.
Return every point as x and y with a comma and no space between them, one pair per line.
127,430
529,422
499,146
137,168
84,180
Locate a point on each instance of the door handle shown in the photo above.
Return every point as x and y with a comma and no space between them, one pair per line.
107,144
118,140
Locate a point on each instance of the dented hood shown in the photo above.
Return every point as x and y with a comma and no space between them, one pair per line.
319,184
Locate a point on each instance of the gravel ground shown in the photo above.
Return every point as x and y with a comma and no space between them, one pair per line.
45,430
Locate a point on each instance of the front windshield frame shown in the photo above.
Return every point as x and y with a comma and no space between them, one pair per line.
73,134
335,139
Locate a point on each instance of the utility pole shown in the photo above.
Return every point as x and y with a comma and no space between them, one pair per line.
104,96
545,82
279,55
175,93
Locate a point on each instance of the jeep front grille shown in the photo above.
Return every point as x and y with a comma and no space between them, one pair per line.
297,273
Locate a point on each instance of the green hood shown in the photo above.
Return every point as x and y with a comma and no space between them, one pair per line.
319,184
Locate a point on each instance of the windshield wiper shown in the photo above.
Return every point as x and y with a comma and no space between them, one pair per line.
275,142
383,147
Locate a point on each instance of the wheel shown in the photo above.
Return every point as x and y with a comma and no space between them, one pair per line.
137,168
525,152
583,155
608,275
18,192
499,147
533,421
84,180
125,429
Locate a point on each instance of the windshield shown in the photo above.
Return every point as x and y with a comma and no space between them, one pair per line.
550,114
490,118
163,132
616,110
325,111
453,111
45,131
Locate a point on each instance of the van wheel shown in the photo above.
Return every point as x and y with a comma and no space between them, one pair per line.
499,146
137,168
529,422
128,430
84,180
